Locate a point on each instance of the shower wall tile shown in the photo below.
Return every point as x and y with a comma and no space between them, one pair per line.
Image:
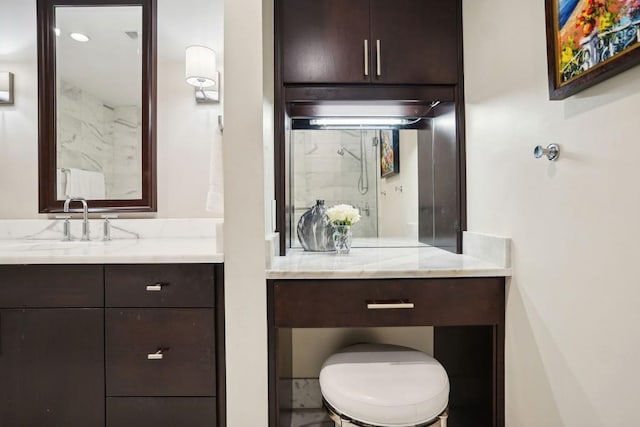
92,136
321,173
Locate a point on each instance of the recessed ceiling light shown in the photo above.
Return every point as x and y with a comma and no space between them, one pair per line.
79,37
57,31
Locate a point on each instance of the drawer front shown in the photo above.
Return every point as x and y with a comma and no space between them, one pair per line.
406,302
51,286
185,365
154,285
161,411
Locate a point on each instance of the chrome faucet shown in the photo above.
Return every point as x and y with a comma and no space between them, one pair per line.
85,214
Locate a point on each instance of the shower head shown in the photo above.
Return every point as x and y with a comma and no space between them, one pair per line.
340,151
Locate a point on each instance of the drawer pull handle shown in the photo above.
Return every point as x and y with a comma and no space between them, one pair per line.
388,305
154,288
156,356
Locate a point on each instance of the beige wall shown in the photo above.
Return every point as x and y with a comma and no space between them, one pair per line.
399,209
186,131
248,148
572,310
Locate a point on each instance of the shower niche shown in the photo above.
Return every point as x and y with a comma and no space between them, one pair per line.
417,204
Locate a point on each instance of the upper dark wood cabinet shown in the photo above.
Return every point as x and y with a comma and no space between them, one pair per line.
370,41
418,41
323,41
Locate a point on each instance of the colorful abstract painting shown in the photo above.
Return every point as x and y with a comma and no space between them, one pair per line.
389,153
584,35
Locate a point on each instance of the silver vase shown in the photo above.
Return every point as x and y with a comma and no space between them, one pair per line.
315,231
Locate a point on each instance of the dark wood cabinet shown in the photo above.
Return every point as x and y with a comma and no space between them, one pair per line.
160,363
183,340
161,412
164,345
51,367
467,313
415,41
370,41
51,346
152,285
323,41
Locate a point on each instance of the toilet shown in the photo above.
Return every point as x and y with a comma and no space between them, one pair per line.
383,385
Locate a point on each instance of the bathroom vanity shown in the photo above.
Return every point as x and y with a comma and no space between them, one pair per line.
96,337
462,297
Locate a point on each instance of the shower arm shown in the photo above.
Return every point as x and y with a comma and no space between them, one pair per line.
342,149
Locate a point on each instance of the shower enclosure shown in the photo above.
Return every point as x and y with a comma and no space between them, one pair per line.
343,166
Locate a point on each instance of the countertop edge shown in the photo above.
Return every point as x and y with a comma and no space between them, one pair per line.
101,259
388,274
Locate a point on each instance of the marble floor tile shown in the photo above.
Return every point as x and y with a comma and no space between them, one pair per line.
310,418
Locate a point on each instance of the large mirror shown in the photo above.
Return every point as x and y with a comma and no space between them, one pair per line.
347,166
97,103
398,171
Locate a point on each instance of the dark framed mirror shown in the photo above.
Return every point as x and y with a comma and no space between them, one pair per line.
97,104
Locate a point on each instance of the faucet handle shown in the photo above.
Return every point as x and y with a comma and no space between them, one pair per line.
66,227
106,227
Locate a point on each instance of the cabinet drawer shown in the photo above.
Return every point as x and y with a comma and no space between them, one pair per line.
337,303
161,411
51,286
185,337
153,285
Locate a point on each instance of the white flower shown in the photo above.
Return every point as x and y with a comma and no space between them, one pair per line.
343,215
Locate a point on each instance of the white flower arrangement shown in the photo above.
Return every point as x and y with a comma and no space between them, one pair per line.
343,215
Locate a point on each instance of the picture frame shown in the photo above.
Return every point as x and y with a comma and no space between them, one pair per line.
589,41
389,152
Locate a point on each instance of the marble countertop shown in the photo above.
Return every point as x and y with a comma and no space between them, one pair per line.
363,263
117,251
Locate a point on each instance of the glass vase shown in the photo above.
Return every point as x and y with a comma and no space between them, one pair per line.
314,229
342,238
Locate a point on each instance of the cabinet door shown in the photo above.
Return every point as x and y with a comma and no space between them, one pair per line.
418,41
323,41
51,367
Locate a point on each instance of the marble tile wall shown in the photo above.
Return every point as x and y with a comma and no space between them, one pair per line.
319,172
100,138
126,161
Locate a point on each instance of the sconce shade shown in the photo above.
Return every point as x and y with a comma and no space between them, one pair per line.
201,70
6,88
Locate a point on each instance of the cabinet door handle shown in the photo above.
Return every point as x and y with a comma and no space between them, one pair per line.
366,57
158,355
154,288
378,59
388,305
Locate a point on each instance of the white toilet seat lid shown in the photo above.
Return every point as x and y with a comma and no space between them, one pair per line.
385,385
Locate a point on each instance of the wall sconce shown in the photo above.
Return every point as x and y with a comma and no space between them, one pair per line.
201,72
6,88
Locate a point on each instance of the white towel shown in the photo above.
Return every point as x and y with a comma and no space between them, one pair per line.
61,184
215,196
87,184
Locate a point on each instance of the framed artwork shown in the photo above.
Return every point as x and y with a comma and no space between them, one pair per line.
389,152
589,41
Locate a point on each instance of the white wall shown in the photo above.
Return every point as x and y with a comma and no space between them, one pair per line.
186,131
248,181
399,193
572,309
